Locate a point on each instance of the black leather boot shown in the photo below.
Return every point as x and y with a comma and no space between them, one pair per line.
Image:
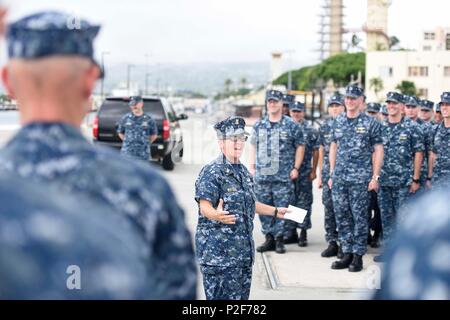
343,263
268,245
303,240
340,254
331,251
357,264
293,238
279,245
375,240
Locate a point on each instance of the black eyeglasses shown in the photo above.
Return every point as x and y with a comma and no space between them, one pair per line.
238,138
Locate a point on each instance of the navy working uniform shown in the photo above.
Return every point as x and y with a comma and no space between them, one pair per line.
55,152
325,139
401,141
137,131
375,220
355,139
303,195
426,129
417,262
226,252
441,148
276,144
58,246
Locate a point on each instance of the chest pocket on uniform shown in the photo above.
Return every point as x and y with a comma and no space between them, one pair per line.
144,125
128,123
284,135
338,133
361,136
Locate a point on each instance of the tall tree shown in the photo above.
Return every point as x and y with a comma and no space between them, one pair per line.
407,87
228,84
376,84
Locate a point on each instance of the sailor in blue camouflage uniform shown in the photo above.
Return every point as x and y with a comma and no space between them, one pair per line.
384,113
137,130
413,104
227,203
58,246
307,174
288,99
437,115
51,74
403,156
335,107
426,110
440,156
276,154
417,262
356,155
373,110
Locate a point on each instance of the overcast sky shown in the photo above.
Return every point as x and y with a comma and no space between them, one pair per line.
185,31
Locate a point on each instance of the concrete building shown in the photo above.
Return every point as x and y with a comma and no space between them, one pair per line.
276,66
428,67
377,25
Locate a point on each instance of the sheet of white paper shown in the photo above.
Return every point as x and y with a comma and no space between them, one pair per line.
296,214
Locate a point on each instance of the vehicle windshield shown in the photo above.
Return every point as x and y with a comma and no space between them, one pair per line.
117,108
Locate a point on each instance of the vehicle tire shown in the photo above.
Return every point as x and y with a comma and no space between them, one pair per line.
167,162
181,153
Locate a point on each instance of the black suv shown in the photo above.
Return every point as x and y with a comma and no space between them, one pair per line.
168,146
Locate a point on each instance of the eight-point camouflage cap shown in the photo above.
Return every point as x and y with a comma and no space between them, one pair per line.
297,106
134,100
274,95
426,105
445,98
51,33
233,126
336,99
373,107
394,97
354,91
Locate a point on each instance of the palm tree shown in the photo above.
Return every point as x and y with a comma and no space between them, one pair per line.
228,84
244,83
376,84
407,87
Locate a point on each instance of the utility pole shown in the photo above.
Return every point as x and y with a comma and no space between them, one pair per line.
128,77
103,69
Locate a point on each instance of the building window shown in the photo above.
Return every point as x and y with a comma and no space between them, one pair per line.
418,71
422,93
447,42
446,71
429,35
427,48
386,72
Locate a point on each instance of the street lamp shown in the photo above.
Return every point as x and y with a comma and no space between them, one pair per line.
128,77
146,72
103,69
289,52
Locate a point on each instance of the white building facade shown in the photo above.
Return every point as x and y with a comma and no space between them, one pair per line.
428,68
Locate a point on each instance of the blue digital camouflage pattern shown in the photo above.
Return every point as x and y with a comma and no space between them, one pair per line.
354,91
232,126
55,152
395,97
445,98
441,148
44,233
137,131
426,105
417,262
355,140
391,200
220,244
350,201
226,252
51,33
276,145
400,143
325,139
427,130
303,186
277,194
373,107
225,283
274,95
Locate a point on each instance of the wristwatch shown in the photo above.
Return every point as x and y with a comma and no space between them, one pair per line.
416,180
429,178
294,168
376,178
276,212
